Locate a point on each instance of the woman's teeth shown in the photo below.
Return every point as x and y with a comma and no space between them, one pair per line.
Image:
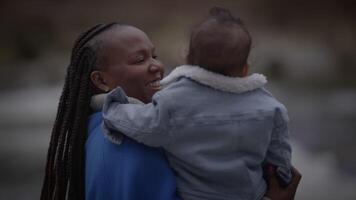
155,84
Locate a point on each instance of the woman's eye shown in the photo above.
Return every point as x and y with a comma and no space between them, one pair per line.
154,56
140,60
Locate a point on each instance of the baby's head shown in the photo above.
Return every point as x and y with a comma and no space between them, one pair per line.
221,44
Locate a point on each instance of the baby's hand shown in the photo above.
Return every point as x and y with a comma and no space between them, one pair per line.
275,191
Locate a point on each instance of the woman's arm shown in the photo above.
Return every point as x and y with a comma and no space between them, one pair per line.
277,192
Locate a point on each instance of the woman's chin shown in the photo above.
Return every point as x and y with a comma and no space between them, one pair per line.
151,91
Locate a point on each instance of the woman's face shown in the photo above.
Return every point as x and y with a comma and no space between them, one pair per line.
129,61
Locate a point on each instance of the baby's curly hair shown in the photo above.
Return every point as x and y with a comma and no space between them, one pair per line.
220,43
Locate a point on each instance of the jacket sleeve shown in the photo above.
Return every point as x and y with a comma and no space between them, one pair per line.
279,150
145,123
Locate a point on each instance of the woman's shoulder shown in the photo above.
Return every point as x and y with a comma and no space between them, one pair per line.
116,167
97,140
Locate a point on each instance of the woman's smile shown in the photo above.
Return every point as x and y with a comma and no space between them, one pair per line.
155,84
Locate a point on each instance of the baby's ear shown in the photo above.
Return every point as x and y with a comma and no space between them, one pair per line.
98,80
245,69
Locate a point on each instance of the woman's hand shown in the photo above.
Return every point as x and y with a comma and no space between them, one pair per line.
276,192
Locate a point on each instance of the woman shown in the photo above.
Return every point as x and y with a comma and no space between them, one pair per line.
81,163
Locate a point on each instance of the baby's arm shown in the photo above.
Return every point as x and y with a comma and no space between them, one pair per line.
279,150
146,123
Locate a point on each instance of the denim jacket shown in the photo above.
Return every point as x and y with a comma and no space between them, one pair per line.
217,131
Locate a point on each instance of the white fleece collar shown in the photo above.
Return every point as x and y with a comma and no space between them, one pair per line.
215,80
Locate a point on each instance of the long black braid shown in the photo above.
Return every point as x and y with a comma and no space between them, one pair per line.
64,178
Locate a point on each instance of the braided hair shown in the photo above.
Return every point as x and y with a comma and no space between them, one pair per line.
64,176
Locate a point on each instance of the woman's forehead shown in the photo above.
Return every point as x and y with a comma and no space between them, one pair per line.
129,39
121,43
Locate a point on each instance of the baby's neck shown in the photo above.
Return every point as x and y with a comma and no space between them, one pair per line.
237,72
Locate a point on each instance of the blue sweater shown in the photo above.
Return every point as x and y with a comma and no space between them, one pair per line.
130,171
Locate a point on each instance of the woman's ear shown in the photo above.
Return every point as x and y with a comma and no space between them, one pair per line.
98,80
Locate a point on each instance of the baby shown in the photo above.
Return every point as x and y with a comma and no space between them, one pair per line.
217,125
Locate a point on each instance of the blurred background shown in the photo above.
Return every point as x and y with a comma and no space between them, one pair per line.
306,49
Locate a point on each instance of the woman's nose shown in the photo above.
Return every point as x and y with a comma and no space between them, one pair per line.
156,66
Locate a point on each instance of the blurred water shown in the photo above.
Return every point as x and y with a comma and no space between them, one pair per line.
321,126
26,120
